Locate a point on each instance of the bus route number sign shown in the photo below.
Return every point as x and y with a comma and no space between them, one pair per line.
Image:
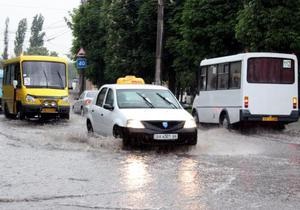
81,63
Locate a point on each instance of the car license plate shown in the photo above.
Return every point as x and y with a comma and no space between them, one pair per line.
48,110
166,136
270,119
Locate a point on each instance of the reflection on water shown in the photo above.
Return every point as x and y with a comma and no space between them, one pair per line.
190,184
188,178
134,177
135,173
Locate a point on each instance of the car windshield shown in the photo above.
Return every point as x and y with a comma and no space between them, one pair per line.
146,98
42,74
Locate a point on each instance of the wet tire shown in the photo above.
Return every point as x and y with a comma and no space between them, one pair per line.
21,112
192,142
7,114
126,141
195,116
117,132
89,127
225,122
65,116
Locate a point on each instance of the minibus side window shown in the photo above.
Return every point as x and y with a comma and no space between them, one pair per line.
202,78
235,75
17,75
212,77
223,71
6,75
12,74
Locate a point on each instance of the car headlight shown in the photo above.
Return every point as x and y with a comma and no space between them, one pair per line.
65,99
30,98
134,124
190,123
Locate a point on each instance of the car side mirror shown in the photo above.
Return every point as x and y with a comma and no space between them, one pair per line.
108,106
15,84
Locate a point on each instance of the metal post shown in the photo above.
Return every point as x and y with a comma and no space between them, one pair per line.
159,40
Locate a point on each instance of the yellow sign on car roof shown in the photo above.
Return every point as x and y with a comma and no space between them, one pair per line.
130,80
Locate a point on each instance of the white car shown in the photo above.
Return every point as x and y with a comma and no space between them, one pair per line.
83,101
140,114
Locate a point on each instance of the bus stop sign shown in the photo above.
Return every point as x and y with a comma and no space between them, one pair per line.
81,63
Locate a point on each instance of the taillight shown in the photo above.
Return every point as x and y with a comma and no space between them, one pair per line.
246,101
87,101
295,102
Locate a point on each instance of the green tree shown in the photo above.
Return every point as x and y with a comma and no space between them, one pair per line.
53,53
130,39
201,29
36,41
20,36
88,28
5,51
270,25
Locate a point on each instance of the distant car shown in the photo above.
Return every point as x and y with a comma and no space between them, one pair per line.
140,114
83,101
1,81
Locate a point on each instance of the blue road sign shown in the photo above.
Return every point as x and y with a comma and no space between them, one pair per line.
81,63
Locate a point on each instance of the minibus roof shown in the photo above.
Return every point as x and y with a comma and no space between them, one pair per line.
35,58
241,56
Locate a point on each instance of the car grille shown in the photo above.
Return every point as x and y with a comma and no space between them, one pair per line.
163,125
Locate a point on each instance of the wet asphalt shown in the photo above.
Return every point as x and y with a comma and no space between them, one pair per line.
57,165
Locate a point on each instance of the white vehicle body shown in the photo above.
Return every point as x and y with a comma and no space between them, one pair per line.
135,118
83,101
245,87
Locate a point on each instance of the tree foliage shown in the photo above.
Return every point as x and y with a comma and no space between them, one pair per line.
36,41
270,25
5,51
20,37
119,36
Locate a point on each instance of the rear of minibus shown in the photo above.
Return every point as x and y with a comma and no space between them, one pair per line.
270,88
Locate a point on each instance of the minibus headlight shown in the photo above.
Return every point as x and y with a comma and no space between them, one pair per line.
30,98
65,99
190,124
134,124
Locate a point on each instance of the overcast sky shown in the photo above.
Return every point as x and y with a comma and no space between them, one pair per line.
58,36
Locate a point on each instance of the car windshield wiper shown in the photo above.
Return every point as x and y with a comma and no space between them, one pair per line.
167,100
60,77
147,100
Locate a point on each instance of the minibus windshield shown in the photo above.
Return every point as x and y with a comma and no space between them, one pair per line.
44,74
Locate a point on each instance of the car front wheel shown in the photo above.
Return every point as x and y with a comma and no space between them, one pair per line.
89,127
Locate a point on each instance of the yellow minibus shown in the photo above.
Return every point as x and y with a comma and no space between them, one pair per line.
35,86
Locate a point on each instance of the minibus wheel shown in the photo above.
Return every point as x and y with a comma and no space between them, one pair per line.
195,116
21,112
224,121
6,112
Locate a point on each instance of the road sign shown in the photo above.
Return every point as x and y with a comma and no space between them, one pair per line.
81,63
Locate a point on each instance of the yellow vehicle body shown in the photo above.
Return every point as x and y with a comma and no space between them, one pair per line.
130,80
36,86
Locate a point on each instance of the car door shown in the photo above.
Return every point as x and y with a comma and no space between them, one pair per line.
107,119
78,103
97,112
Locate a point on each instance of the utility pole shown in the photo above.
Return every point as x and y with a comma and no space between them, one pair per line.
159,40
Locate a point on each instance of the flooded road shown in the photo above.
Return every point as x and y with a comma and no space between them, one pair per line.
56,165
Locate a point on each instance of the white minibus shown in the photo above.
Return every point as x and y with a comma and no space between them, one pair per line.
261,87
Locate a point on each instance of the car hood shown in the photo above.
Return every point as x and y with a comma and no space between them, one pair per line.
157,114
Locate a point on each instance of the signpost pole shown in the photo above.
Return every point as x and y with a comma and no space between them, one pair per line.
81,64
